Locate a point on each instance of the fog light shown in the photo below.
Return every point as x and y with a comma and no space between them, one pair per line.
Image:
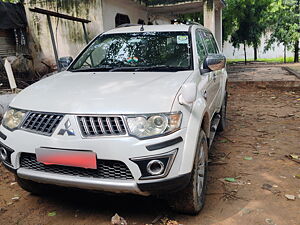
3,154
155,167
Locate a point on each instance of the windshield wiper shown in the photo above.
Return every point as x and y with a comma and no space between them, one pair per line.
95,69
123,68
161,68
149,68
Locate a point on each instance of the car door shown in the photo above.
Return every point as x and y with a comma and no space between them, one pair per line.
209,88
215,76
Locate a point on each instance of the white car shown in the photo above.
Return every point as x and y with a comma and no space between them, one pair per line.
135,112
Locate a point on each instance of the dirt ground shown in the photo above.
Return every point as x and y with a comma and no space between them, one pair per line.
263,127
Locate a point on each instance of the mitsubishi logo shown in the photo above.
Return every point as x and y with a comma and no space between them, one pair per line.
67,129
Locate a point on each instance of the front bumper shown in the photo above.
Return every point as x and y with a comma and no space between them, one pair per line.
107,148
123,186
9,168
157,187
151,188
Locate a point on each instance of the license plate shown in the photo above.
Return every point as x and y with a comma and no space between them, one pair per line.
83,159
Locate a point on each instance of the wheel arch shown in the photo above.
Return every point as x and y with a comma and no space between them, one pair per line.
199,119
205,124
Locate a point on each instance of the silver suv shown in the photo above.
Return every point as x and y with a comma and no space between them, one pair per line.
135,112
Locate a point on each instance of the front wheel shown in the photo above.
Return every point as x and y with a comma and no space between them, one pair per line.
191,199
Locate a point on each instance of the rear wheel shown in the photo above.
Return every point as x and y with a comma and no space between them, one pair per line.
32,187
191,199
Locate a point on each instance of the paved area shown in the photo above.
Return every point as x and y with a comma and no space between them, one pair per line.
260,72
294,69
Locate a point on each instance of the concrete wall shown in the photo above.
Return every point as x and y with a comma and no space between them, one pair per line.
276,51
130,8
68,34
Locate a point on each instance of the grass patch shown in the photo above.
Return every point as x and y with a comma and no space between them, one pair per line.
273,60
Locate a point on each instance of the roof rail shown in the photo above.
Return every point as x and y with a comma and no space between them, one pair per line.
193,23
128,25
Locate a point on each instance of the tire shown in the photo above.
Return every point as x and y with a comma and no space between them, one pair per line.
223,112
191,199
32,187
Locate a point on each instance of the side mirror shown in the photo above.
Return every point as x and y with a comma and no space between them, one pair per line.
189,93
64,62
214,62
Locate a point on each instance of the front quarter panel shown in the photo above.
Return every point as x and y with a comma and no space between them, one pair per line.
192,119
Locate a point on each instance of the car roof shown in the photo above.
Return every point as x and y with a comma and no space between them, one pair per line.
152,28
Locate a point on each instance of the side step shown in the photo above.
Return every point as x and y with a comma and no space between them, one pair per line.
213,129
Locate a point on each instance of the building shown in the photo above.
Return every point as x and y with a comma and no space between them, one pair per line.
12,29
108,14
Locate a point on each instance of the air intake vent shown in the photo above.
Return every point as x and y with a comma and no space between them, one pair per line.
101,126
106,169
42,123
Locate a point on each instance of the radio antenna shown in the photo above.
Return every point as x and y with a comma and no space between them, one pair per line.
142,28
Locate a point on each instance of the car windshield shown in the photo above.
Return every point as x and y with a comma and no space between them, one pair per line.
148,51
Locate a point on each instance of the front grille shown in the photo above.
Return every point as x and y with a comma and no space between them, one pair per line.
106,169
101,126
42,123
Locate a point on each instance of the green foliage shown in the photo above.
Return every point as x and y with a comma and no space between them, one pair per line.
284,24
230,19
249,20
245,22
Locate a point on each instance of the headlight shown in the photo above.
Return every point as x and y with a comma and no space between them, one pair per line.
13,118
145,126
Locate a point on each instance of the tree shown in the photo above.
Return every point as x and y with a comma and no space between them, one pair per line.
230,19
284,26
246,23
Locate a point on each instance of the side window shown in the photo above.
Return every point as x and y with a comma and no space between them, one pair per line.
200,46
215,44
210,43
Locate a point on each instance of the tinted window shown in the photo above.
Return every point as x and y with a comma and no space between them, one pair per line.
200,46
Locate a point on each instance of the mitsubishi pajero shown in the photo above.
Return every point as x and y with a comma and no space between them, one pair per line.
136,112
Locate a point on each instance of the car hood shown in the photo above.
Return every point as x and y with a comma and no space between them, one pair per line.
103,92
